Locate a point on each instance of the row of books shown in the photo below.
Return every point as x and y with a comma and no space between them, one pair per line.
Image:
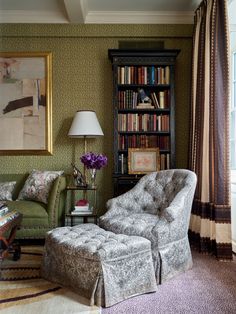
129,99
3,209
151,75
164,161
123,163
134,122
143,141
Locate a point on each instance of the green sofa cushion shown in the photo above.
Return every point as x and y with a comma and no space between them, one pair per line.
34,213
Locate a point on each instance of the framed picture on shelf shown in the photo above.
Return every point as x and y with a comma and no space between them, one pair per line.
143,160
25,103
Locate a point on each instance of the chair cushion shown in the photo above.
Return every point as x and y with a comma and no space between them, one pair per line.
162,189
133,224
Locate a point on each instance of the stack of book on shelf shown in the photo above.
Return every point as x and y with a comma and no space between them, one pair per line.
3,209
145,106
82,208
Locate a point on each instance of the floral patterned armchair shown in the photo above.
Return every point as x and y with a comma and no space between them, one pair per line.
157,208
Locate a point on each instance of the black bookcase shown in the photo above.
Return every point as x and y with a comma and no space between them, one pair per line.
142,76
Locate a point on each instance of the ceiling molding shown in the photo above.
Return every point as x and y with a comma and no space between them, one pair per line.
22,16
139,17
75,10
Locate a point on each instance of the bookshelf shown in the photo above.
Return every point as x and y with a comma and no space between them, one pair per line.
144,108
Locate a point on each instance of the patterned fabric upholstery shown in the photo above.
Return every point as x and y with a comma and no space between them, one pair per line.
157,208
6,190
100,265
38,185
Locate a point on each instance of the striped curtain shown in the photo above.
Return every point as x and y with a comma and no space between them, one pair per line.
210,225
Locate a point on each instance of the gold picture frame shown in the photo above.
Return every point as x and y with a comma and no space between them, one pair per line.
143,160
25,103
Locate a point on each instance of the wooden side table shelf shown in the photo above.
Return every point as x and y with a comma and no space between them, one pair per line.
70,203
83,216
9,222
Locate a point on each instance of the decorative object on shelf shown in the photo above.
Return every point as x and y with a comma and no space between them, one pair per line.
142,97
82,206
79,178
93,173
93,162
81,202
143,160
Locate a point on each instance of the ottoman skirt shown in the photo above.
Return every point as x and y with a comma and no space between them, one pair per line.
104,267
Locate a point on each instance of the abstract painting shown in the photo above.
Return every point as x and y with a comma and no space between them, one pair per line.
25,103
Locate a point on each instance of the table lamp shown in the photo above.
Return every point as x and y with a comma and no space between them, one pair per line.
85,125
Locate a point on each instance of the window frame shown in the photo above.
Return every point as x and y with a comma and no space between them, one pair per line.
233,110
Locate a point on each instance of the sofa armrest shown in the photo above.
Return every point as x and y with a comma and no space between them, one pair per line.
56,202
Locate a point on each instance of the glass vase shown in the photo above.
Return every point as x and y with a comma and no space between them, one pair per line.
93,173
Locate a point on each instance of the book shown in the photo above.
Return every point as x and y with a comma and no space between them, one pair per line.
81,208
162,99
74,212
3,211
3,208
145,106
2,205
167,75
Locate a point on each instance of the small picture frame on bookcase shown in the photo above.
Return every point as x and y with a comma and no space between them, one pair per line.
143,160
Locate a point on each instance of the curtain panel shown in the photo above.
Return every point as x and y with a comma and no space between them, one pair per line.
210,224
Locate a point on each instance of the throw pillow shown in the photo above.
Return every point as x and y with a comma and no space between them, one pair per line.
38,185
6,190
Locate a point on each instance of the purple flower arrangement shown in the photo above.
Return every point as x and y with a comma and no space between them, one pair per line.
94,161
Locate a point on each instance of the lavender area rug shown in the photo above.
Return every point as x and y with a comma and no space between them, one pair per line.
209,287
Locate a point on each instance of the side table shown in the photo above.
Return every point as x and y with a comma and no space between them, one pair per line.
9,222
71,200
84,217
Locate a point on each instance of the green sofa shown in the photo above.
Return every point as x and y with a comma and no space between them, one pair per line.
38,218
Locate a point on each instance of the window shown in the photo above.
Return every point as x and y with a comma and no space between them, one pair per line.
233,116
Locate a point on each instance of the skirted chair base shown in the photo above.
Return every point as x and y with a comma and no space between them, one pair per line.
104,267
175,258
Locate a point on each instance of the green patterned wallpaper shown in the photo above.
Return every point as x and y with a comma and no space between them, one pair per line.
82,79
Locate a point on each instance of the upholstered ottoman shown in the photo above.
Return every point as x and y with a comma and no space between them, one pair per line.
100,265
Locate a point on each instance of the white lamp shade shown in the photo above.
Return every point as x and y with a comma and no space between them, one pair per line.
85,123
